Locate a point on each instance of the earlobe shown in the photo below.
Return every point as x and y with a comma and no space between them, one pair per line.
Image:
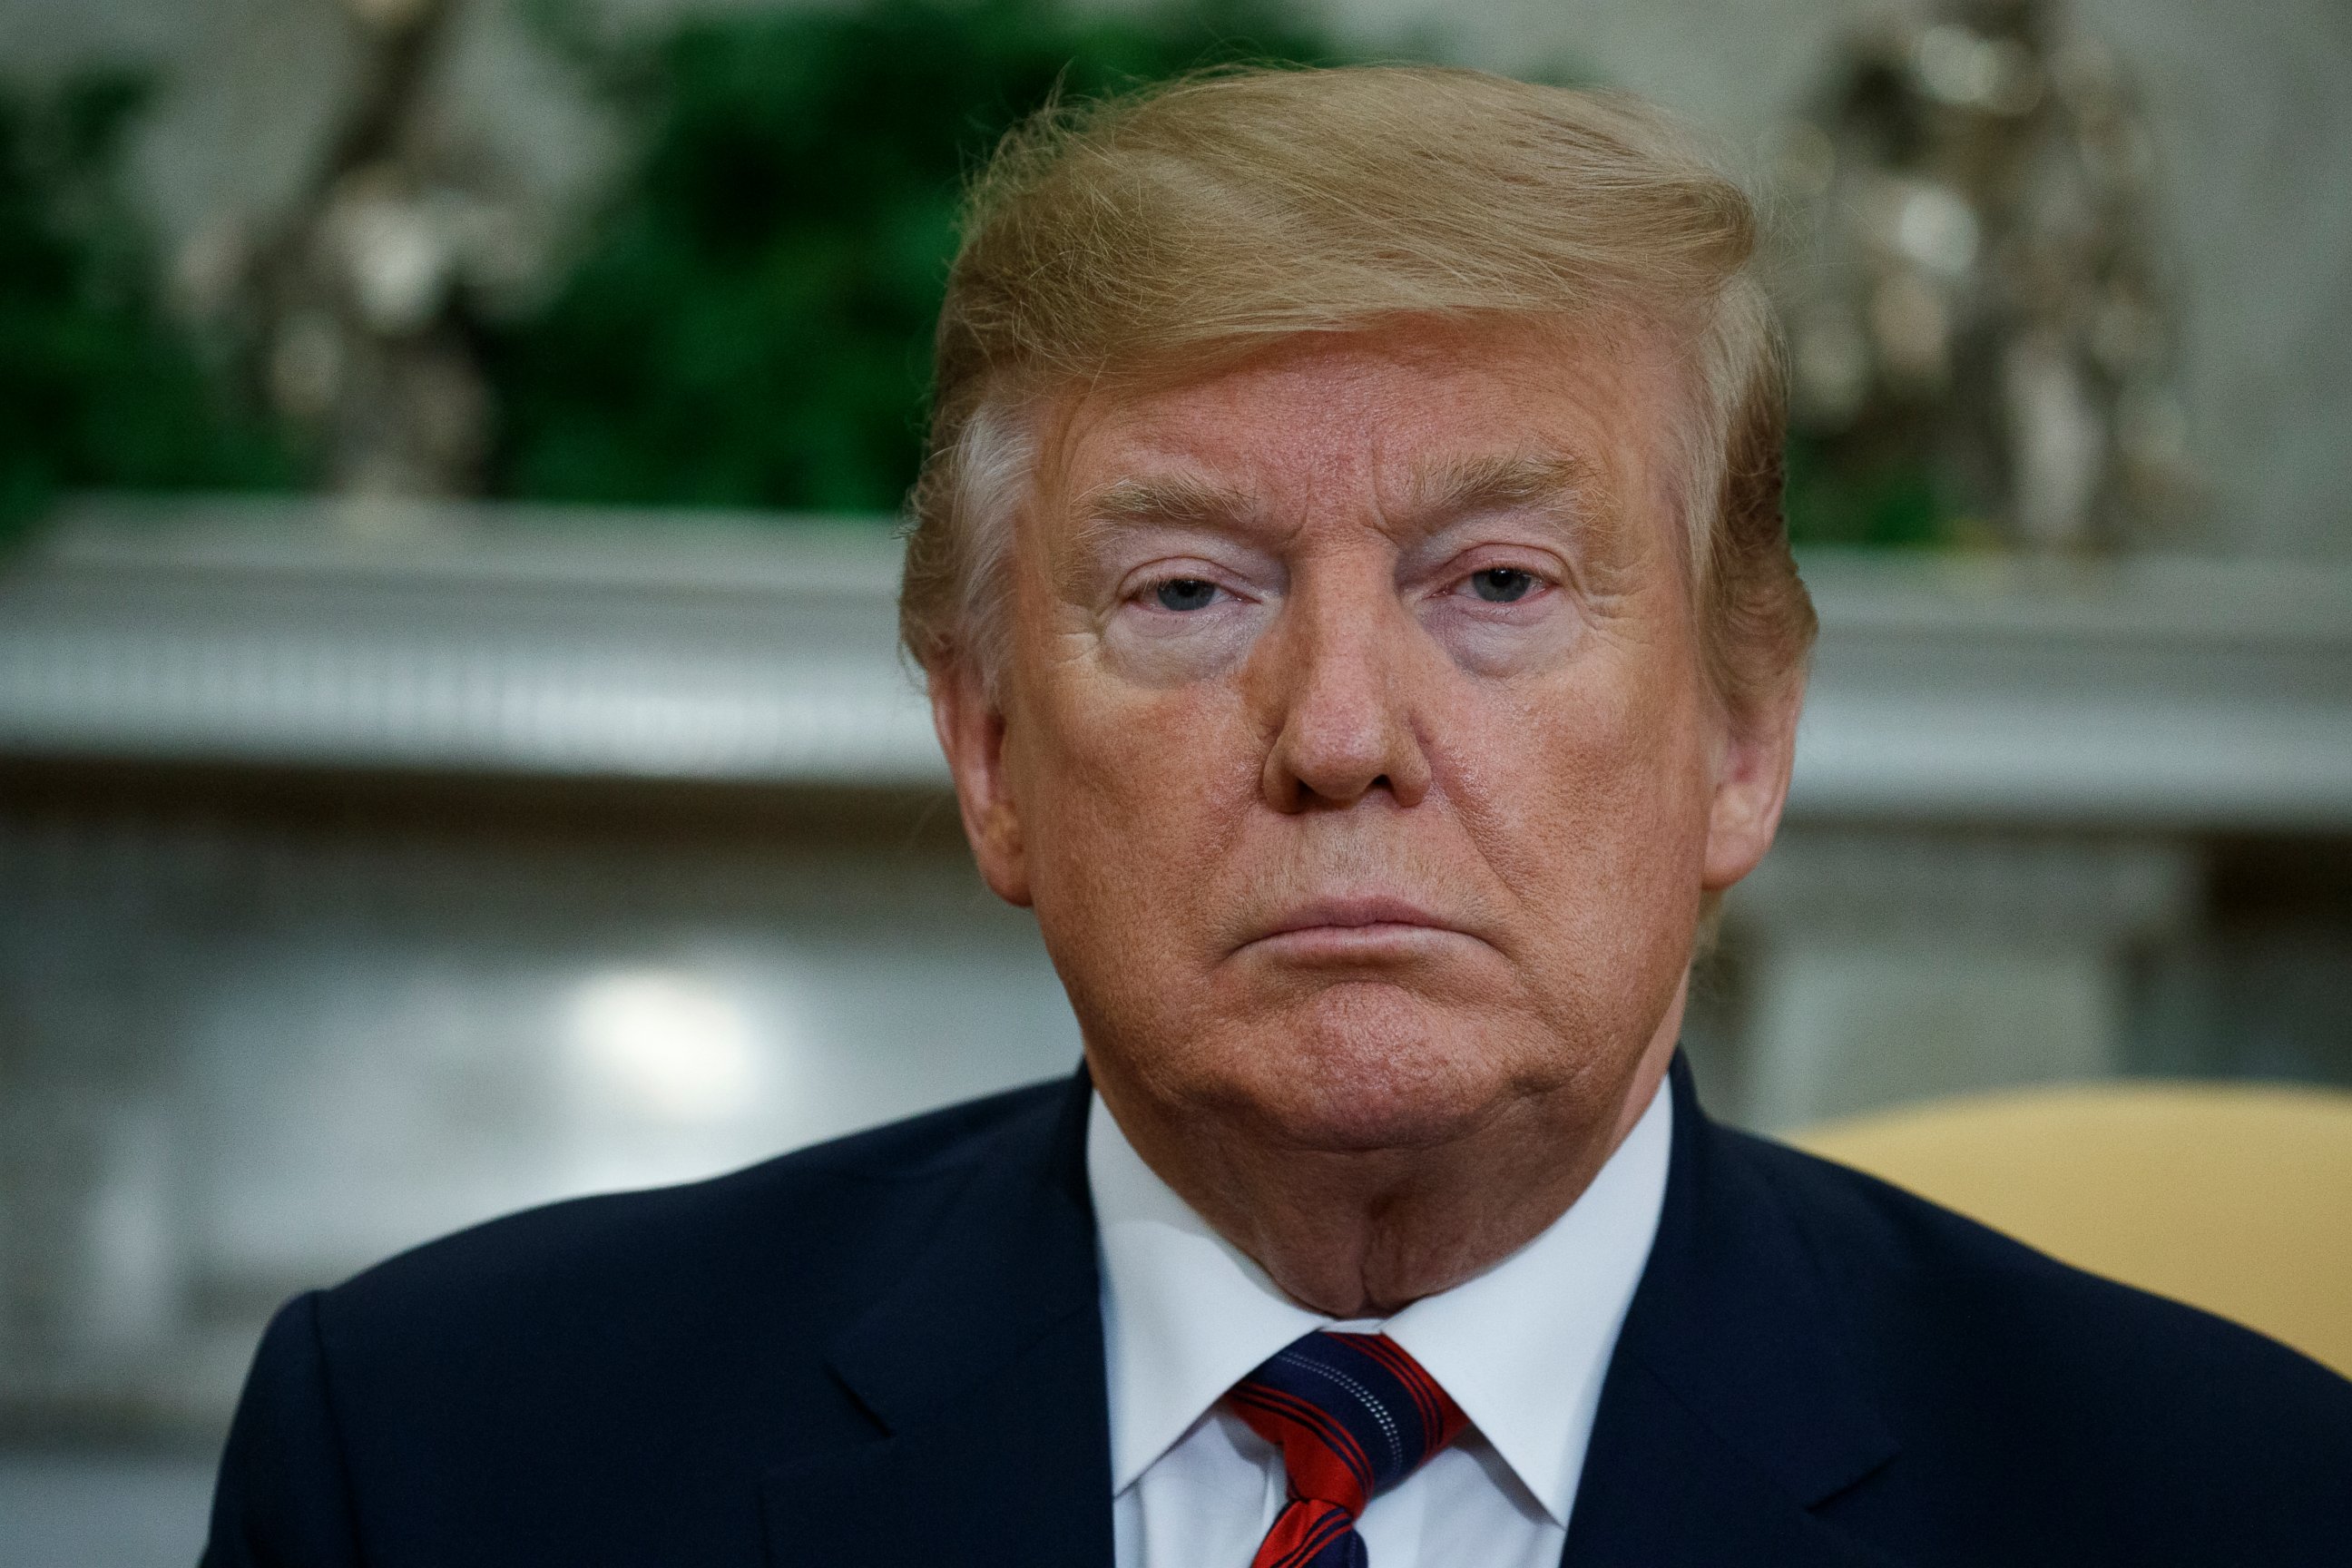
970,729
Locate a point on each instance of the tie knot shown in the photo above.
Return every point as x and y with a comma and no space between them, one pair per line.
1353,1413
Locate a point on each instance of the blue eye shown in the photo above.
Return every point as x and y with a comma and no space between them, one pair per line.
1501,584
1185,593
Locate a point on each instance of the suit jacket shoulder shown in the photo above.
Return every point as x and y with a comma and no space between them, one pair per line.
837,1213
1931,1293
607,1379
1861,1376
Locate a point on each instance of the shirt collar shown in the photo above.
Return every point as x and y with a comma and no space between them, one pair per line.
1522,1348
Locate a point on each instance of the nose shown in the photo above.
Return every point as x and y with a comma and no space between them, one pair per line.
1339,686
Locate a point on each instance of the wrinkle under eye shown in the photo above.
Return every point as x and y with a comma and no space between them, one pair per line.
1501,584
1185,593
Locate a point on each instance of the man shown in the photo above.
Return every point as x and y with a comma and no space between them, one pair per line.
1352,581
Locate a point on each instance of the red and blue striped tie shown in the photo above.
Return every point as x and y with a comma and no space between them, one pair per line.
1353,1415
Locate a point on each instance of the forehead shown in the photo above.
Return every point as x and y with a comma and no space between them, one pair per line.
1372,416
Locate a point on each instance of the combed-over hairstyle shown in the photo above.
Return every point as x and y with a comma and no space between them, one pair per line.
1174,227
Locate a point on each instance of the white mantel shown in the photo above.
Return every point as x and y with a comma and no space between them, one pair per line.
2149,693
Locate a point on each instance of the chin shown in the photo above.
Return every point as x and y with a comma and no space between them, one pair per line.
1363,1065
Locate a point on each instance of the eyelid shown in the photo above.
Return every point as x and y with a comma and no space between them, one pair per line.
1547,569
1139,583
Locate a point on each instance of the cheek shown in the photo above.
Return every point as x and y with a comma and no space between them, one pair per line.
1587,798
1129,799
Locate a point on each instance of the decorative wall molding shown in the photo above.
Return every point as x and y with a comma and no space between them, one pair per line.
2168,694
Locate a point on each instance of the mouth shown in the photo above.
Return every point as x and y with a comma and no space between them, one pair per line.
1352,930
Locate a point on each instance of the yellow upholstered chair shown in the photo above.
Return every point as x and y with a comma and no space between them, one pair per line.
2234,1198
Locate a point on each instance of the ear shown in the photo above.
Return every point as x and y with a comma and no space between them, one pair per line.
1754,755
972,732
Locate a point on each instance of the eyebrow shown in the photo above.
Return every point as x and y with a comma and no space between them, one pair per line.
1176,501
1552,482
1448,489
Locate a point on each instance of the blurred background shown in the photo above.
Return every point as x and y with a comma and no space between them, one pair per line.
452,753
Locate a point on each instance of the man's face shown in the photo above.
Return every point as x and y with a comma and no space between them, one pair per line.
1353,745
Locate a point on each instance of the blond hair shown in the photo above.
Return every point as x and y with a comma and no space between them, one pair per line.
1172,227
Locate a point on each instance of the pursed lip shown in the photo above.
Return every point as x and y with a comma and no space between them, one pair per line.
1354,922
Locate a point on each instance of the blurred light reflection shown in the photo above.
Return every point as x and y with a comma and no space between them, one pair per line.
674,1047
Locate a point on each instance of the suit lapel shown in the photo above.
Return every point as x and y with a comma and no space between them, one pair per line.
984,1371
1730,1412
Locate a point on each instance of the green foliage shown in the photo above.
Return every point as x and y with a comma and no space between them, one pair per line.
1835,497
751,324
96,386
748,321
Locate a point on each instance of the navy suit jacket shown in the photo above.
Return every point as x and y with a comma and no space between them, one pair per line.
888,1351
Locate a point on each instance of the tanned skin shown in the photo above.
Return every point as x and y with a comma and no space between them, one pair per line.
1353,746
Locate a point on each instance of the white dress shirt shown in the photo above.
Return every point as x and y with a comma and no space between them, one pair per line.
1522,1349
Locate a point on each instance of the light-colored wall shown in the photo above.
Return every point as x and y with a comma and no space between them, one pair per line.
2251,107
2251,110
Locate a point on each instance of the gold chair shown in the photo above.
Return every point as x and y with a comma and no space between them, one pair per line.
2234,1198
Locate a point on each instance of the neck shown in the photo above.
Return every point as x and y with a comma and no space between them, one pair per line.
1365,1233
